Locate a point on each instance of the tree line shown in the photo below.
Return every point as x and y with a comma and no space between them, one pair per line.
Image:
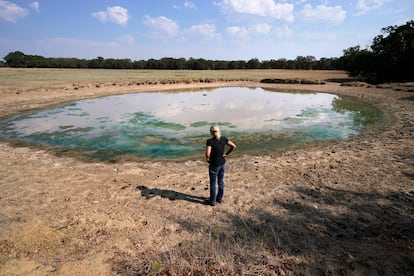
20,60
389,58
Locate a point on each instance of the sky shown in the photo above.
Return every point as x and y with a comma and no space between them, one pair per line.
209,29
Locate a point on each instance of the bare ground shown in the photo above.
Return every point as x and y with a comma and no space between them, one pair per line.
329,209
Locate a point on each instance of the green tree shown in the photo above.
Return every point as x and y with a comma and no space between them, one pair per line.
140,64
253,63
96,62
306,63
16,59
389,58
395,53
358,62
198,64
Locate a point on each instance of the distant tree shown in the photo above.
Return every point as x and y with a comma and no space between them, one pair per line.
140,64
220,64
96,62
237,64
305,63
395,53
36,61
253,63
171,63
16,59
152,64
19,59
389,58
180,63
80,63
281,63
198,64
166,63
357,61
266,64
327,64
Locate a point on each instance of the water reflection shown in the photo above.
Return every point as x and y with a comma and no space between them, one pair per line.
171,125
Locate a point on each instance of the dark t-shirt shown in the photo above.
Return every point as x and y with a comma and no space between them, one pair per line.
217,150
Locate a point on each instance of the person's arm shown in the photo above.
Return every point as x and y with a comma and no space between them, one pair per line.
232,146
208,152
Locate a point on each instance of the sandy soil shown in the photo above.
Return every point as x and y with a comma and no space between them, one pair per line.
333,209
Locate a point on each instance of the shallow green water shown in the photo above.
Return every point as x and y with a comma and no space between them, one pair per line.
176,125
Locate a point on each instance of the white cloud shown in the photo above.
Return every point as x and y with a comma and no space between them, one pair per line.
185,5
262,28
207,31
161,27
299,2
238,32
264,8
334,14
283,32
364,6
116,14
189,5
35,6
11,12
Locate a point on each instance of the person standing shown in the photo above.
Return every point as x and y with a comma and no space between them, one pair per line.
215,155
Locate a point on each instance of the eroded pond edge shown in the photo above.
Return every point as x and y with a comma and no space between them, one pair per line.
387,119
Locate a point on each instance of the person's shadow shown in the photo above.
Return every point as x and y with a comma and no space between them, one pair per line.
171,195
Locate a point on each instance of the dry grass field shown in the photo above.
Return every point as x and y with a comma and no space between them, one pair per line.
344,208
10,76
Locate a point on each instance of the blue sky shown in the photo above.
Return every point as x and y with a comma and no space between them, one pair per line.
210,29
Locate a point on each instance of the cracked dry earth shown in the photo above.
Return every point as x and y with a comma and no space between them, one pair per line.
329,208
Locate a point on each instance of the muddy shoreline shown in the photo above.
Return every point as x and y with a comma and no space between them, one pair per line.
335,208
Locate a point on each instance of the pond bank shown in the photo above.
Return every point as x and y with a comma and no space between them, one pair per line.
340,208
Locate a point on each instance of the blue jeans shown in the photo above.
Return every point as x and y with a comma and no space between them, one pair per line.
216,173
